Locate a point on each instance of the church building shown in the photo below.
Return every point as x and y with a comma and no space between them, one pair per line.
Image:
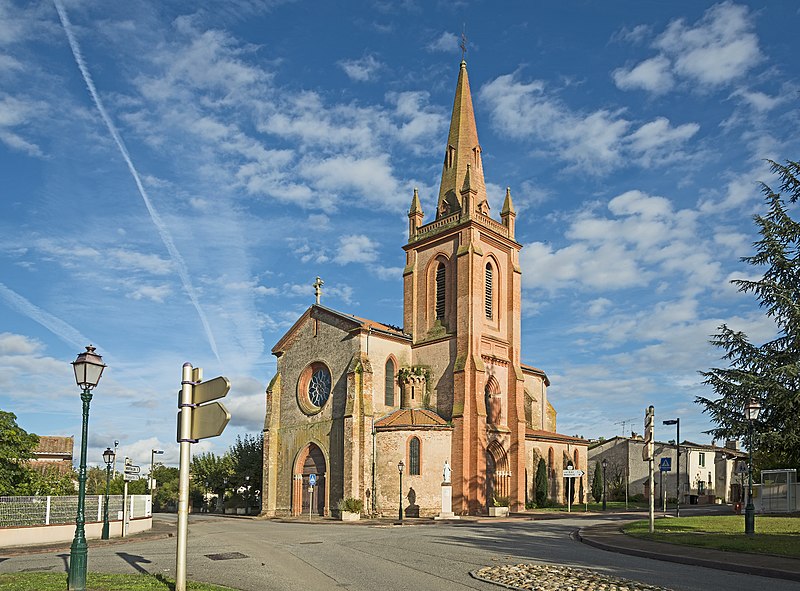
364,406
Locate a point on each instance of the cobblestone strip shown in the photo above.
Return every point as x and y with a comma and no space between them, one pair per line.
545,577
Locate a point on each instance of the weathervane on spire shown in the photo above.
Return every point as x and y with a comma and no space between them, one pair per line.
318,288
463,44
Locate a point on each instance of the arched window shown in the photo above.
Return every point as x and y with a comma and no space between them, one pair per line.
488,301
440,291
413,457
388,395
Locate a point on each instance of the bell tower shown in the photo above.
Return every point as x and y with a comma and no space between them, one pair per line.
462,295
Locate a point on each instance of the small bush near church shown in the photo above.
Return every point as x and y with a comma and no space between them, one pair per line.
351,505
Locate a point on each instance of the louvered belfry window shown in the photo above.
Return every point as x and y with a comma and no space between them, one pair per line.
489,285
440,291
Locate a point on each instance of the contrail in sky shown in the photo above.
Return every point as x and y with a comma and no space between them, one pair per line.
58,327
166,237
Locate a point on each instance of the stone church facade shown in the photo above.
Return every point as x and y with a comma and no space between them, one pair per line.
352,398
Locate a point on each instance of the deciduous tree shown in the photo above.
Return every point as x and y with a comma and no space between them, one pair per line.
16,448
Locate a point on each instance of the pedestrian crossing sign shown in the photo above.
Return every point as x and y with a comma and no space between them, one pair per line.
665,465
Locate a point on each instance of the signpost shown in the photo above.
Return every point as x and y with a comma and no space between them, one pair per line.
647,454
312,480
665,465
569,474
198,418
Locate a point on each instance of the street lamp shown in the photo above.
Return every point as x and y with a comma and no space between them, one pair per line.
752,411
677,423
153,453
605,465
400,467
108,458
114,472
88,368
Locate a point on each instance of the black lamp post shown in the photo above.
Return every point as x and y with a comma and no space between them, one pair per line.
88,368
677,423
400,467
752,411
108,458
605,465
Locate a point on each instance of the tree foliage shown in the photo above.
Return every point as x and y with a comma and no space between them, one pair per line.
541,483
770,372
16,448
597,483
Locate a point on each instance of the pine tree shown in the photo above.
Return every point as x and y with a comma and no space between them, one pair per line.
541,483
769,373
597,483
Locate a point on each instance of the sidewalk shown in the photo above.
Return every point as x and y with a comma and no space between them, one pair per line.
161,529
610,537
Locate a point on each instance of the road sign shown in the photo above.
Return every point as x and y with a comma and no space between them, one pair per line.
312,479
209,420
665,465
210,390
741,468
130,469
573,473
128,477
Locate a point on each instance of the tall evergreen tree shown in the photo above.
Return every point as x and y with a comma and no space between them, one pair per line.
541,483
770,372
597,483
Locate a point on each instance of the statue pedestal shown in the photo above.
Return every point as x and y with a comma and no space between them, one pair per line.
447,502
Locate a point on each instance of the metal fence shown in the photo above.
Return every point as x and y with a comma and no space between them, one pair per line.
31,511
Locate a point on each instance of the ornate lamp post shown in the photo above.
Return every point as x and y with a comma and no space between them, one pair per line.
752,411
88,368
677,423
108,457
400,467
605,465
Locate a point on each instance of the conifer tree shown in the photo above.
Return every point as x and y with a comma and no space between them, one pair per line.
770,372
597,483
541,483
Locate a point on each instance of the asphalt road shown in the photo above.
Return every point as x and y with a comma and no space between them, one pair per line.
255,555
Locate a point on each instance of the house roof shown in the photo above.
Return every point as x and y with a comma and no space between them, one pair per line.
54,446
411,418
541,435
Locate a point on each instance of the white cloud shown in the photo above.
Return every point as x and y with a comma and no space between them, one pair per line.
17,344
155,293
14,114
652,75
356,248
361,70
717,50
447,42
594,142
150,263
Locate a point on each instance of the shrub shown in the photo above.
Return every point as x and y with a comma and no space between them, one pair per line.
500,501
541,483
351,505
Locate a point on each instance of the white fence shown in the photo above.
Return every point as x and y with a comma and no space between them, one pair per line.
36,511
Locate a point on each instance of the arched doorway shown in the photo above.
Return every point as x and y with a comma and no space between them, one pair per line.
498,474
309,461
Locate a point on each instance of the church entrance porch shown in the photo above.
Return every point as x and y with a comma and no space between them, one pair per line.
309,461
498,475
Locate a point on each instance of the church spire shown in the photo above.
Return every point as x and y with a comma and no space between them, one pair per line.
462,150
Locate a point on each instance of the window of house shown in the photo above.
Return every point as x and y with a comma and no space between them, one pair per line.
388,397
701,459
488,295
413,457
440,291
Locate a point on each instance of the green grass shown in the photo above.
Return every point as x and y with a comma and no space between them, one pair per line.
774,535
98,582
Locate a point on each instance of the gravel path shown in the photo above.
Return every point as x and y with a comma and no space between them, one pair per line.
541,577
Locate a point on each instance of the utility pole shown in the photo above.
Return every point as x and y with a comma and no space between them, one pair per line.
647,454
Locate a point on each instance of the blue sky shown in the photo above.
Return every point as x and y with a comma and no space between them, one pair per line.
174,178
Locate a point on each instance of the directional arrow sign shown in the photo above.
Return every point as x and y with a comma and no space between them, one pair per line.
573,473
132,469
209,420
129,477
210,390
